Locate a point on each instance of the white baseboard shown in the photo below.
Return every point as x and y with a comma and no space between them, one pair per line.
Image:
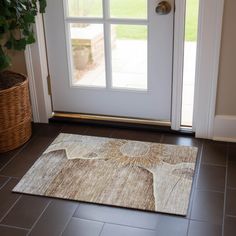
225,128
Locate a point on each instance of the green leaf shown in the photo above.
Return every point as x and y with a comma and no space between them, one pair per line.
2,31
29,18
9,44
15,16
26,31
2,20
5,60
42,5
13,25
31,39
23,6
6,27
20,44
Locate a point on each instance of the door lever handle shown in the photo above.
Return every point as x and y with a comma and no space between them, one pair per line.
163,8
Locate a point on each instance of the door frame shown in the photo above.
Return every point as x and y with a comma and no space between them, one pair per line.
207,67
37,71
208,49
178,63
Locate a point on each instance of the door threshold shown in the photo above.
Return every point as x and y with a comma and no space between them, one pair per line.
116,119
117,122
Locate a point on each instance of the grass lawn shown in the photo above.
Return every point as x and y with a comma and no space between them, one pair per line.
136,8
129,9
191,21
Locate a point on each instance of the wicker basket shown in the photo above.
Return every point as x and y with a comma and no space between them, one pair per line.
15,113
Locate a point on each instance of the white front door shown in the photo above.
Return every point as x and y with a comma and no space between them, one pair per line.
110,57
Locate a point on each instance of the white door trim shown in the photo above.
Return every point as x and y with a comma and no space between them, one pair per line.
207,64
225,128
178,63
207,67
210,24
37,70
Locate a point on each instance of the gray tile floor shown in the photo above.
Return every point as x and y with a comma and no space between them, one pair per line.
212,210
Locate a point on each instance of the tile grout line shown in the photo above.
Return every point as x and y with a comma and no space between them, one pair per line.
11,177
225,193
128,226
7,181
111,223
14,227
209,190
198,167
7,212
18,152
231,188
84,132
99,221
205,221
102,229
68,221
162,138
112,132
232,216
36,221
21,150
60,130
195,186
76,209
214,165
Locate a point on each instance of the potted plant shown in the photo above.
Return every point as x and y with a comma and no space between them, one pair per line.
16,31
81,56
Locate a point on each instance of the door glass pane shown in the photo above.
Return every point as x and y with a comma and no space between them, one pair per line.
87,43
85,8
128,9
190,49
129,56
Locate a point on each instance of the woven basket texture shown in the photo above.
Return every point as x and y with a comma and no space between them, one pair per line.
15,114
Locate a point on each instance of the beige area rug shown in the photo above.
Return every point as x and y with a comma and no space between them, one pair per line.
141,175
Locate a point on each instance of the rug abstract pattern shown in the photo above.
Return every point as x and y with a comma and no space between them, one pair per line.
125,173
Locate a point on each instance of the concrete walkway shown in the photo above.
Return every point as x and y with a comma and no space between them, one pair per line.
188,83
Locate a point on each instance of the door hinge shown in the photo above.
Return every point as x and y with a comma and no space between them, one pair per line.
49,85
